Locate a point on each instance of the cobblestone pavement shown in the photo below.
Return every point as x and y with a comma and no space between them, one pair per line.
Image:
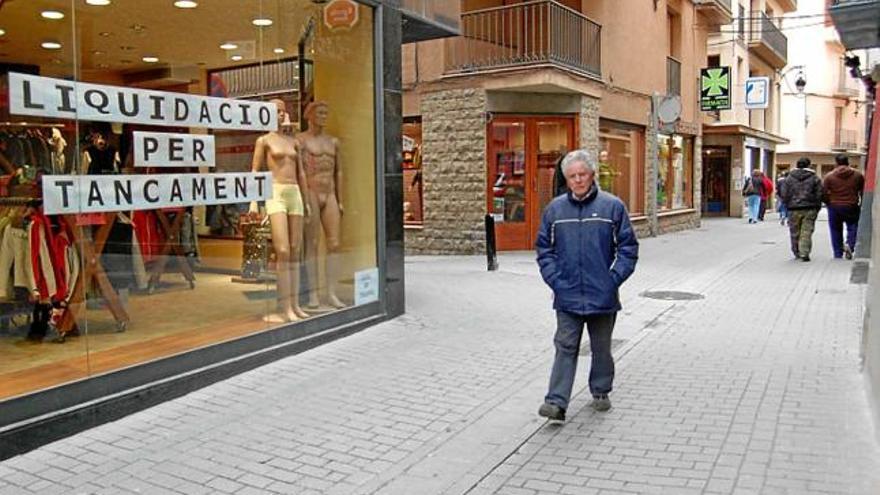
753,389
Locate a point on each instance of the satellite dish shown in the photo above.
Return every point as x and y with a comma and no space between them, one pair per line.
669,109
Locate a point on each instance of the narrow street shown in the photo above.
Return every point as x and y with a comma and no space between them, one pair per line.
750,386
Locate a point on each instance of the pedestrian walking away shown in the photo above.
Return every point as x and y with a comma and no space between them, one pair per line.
843,188
766,193
802,194
780,204
753,189
586,249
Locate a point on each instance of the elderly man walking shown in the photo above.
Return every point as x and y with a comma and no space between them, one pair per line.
802,194
843,189
586,249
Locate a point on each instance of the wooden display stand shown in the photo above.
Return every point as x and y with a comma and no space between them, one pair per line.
171,247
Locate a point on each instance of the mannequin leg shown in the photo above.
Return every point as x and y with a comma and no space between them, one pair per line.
281,243
312,237
331,219
295,228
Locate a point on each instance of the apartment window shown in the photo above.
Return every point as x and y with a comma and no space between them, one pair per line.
742,22
713,61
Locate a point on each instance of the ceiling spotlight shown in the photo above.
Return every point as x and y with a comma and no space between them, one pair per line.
228,46
236,58
51,45
186,4
261,22
150,59
99,3
105,34
2,32
278,50
52,14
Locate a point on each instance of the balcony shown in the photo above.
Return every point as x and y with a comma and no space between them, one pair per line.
717,12
428,19
857,21
673,77
529,34
768,42
846,140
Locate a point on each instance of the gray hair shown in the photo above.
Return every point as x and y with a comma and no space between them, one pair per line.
579,156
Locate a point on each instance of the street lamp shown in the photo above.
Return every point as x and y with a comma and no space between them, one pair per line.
800,81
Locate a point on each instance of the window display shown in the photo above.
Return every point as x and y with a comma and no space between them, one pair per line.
175,180
620,163
675,172
413,190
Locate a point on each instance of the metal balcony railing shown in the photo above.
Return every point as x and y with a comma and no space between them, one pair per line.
673,76
764,31
846,139
529,33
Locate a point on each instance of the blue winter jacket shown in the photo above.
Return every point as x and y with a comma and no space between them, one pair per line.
586,250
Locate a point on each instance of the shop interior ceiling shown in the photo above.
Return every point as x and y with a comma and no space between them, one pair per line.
114,39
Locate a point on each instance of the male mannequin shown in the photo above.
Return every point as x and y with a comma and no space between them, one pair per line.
281,155
323,173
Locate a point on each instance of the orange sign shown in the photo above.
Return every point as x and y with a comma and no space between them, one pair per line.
341,14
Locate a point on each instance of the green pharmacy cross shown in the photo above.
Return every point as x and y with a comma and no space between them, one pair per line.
715,89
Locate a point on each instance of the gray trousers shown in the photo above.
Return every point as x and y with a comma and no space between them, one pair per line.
569,329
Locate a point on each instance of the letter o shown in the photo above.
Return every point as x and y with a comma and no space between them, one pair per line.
265,116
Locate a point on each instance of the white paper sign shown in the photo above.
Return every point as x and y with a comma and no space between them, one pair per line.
160,149
59,98
366,286
68,194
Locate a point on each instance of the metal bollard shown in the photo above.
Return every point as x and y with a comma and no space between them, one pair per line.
491,253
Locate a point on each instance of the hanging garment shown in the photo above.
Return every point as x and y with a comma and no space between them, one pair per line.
16,269
47,284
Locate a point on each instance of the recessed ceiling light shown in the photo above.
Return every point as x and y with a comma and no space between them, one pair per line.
186,4
228,46
105,34
150,59
2,32
278,50
98,53
50,45
261,22
103,66
52,14
99,3
236,58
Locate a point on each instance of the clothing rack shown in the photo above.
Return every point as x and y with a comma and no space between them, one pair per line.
21,201
32,125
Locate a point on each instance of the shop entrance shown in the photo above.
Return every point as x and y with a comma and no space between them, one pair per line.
522,156
716,180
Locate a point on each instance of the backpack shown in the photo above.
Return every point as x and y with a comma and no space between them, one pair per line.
749,187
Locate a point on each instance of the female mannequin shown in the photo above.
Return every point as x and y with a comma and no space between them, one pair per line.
280,154
323,173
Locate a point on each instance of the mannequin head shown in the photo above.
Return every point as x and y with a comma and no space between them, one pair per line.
316,113
281,107
99,141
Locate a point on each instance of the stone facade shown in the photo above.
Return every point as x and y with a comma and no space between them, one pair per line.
588,124
652,154
453,174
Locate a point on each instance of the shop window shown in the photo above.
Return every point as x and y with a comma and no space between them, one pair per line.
413,190
621,164
217,163
675,172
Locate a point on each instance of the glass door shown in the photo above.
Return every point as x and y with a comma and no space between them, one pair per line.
555,138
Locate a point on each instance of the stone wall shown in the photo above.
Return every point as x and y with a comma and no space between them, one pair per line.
453,174
589,125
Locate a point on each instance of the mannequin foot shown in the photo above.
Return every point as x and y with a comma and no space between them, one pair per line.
300,313
275,318
335,302
292,315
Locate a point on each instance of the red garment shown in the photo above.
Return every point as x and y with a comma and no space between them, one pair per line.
768,188
41,232
149,237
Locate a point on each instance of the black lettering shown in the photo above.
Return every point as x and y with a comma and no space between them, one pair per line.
241,186
147,184
65,199
158,101
66,104
260,180
95,194
265,116
199,150
224,107
199,188
123,190
175,149
102,103
220,187
181,109
151,145
135,103
205,114
245,120
176,193
28,99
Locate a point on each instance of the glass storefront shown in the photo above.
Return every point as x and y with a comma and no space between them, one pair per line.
413,190
675,172
621,165
178,174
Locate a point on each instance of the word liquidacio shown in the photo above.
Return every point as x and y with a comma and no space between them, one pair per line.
69,194
59,98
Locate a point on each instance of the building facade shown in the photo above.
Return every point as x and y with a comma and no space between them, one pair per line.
488,114
739,140
829,116
190,190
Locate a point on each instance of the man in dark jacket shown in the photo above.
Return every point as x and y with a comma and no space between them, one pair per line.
586,249
802,194
843,189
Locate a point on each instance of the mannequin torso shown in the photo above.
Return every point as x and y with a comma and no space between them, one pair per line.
280,156
319,158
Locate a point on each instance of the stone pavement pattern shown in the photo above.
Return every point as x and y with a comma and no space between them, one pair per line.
754,389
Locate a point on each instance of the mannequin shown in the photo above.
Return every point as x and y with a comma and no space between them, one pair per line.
323,173
280,153
100,157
